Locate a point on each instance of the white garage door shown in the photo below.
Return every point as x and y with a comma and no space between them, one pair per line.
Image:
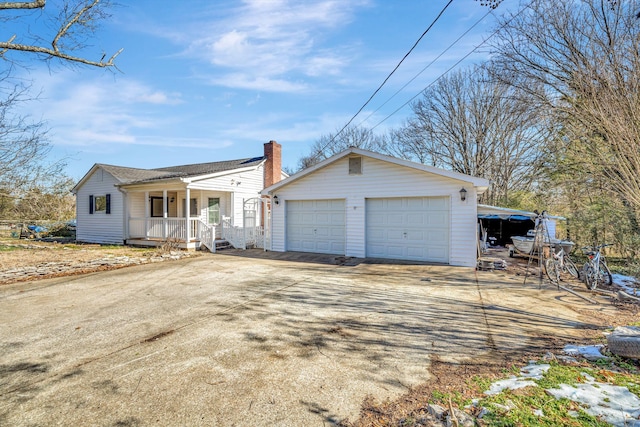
411,228
316,226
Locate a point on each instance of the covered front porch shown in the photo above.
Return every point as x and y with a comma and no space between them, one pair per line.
189,219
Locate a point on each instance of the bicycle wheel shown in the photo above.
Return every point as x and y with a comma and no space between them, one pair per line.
571,267
552,270
590,278
605,275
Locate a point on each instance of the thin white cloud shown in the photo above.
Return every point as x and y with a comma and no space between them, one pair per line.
273,45
262,83
83,112
182,142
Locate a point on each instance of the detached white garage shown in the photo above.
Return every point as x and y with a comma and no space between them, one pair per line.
363,204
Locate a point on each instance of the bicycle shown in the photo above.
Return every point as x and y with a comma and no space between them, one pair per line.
595,270
559,262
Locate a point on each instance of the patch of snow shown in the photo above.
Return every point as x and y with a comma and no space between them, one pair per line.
534,371
613,404
512,383
627,283
527,375
588,377
589,352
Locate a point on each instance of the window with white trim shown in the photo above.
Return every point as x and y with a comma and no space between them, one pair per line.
100,204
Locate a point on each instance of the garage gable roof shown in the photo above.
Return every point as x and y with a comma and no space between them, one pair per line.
480,184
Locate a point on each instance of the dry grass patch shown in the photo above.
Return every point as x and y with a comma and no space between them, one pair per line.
23,253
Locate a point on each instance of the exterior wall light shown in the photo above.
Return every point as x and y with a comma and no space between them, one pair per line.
275,200
463,194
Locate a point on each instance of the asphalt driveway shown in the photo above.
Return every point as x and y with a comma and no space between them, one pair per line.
255,340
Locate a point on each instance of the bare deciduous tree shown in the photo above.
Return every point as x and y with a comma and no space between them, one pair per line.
24,151
470,124
30,180
328,145
585,55
73,22
23,148
47,201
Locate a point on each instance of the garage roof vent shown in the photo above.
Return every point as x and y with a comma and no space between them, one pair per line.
355,165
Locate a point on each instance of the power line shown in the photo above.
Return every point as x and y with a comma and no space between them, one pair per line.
427,66
452,67
386,79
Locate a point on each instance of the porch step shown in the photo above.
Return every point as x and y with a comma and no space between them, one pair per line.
222,245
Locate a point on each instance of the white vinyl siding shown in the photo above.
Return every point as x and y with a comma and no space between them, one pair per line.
244,185
381,179
100,227
409,228
136,205
316,226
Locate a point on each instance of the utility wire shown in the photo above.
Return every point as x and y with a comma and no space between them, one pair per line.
386,79
427,66
452,67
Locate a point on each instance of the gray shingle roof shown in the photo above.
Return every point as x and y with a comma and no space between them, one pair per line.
128,175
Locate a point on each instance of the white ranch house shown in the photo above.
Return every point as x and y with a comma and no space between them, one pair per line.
192,205
364,204
357,204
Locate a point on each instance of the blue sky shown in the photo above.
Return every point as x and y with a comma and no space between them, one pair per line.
206,80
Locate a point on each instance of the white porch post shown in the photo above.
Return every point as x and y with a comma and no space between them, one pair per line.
188,214
165,214
126,214
232,204
244,226
146,214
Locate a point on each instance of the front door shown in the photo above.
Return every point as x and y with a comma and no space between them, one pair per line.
213,210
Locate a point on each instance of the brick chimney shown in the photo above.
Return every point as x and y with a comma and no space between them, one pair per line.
273,165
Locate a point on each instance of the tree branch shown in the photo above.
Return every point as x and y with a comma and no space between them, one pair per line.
36,4
83,15
64,29
5,46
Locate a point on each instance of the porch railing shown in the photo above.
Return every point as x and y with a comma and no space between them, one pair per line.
163,228
254,237
232,234
176,228
243,237
207,235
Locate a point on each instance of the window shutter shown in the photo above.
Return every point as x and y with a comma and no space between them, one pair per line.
108,209
91,204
